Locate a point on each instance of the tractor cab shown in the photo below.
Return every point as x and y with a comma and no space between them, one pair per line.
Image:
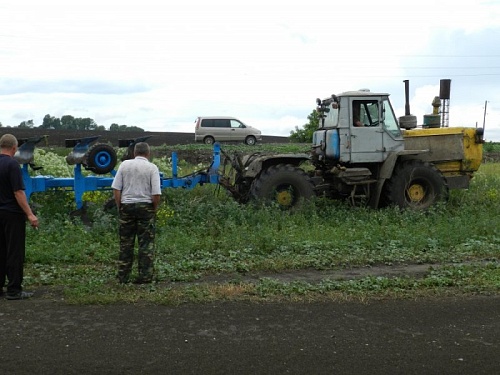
356,127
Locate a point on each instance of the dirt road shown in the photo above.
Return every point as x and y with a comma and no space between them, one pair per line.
450,336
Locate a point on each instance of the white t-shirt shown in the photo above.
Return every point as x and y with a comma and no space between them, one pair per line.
138,179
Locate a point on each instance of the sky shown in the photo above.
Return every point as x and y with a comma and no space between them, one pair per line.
158,65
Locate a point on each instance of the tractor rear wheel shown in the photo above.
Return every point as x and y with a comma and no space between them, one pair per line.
284,185
416,185
100,159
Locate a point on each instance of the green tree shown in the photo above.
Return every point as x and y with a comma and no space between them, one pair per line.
85,123
124,128
305,134
68,122
134,129
26,124
50,122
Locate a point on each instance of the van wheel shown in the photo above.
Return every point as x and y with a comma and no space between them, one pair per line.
250,140
209,140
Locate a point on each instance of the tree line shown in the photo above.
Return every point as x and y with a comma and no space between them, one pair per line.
68,122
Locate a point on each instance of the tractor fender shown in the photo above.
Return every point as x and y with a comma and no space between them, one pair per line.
254,164
387,169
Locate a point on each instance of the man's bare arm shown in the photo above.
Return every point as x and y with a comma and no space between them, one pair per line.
22,201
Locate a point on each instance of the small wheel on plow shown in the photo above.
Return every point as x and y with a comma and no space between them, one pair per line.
100,159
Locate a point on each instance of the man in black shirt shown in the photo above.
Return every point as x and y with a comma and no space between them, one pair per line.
14,210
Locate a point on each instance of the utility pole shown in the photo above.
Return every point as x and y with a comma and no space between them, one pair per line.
484,116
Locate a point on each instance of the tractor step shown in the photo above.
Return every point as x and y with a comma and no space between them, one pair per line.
355,176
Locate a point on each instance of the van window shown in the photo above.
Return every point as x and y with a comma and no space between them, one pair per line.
215,123
237,124
205,123
221,123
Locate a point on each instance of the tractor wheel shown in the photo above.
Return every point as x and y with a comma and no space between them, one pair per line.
100,159
416,185
284,185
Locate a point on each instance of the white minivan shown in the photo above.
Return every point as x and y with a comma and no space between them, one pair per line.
212,129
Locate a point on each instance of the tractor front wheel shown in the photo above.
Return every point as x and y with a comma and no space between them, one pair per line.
284,185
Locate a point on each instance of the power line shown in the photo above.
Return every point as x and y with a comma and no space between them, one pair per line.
455,75
475,56
450,67
423,76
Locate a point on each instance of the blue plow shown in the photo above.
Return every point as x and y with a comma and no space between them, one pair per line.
101,160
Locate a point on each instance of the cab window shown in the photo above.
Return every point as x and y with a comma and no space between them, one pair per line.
389,119
365,112
331,117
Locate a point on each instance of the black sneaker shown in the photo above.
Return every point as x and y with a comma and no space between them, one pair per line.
20,295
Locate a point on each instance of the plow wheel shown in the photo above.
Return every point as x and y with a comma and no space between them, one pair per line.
416,185
284,185
100,159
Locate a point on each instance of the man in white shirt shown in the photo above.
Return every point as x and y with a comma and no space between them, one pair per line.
137,192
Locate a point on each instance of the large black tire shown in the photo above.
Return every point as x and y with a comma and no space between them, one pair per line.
284,185
416,185
100,159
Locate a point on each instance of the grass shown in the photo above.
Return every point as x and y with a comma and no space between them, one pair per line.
204,233
491,147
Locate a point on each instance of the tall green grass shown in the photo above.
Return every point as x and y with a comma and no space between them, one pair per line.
205,232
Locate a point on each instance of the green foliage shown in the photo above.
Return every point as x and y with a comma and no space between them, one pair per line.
491,147
51,122
52,164
68,122
26,124
474,278
305,134
203,232
239,148
120,128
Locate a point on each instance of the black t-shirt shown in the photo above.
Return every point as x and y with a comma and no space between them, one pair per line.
11,180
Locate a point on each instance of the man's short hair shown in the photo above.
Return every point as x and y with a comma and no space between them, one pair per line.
8,141
141,149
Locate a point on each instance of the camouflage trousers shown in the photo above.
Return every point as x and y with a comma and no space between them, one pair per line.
137,220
